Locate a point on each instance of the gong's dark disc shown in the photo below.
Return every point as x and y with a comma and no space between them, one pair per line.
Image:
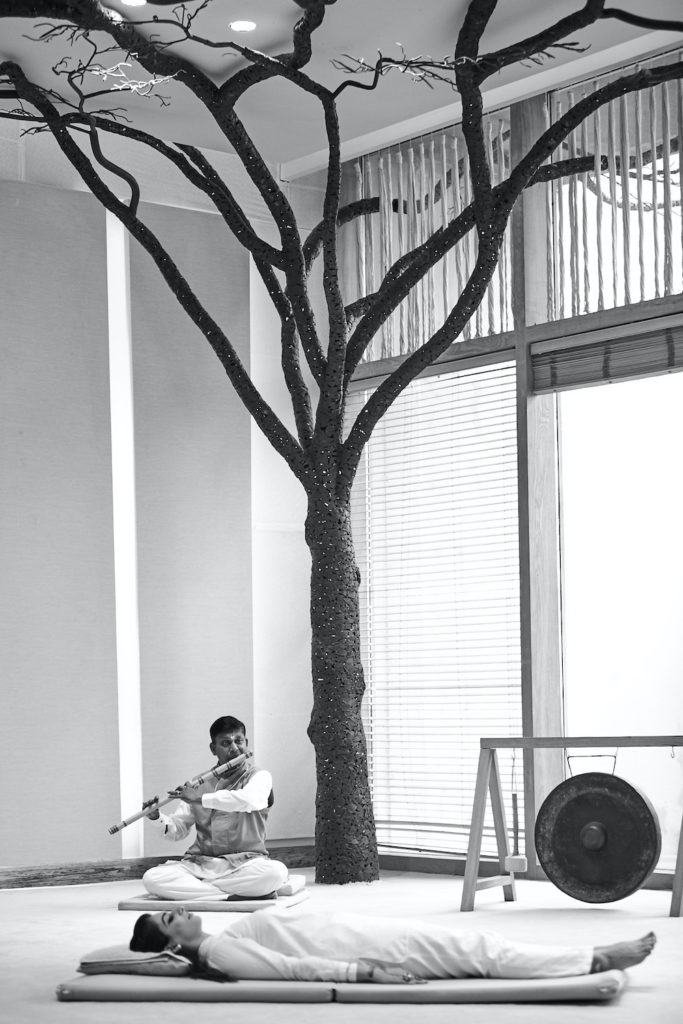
597,837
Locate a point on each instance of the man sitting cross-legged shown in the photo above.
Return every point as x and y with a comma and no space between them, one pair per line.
228,858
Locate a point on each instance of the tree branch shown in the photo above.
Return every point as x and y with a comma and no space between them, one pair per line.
527,171
284,218
262,68
548,142
209,183
428,70
355,310
301,399
489,63
358,208
377,72
120,172
233,215
87,14
424,257
592,11
392,386
92,16
331,402
401,278
661,24
476,19
264,416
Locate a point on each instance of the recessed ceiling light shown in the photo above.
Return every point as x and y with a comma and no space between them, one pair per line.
242,26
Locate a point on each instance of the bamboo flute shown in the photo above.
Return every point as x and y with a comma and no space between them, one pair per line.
152,805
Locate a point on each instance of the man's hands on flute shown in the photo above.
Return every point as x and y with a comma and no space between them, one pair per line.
187,792
154,813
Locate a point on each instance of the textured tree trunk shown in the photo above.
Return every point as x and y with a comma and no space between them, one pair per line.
345,840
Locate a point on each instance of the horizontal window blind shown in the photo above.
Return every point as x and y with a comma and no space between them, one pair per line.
560,365
435,528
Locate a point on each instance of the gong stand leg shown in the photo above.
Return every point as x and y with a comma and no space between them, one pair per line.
476,829
677,888
500,827
488,779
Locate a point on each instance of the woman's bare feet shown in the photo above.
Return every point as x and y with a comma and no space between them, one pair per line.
621,955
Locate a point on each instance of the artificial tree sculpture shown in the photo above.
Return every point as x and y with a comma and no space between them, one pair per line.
321,456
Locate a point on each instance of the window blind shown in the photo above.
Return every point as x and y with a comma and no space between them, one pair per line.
435,524
559,364
422,184
615,231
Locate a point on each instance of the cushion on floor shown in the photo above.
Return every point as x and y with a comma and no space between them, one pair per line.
605,985
130,988
122,960
145,902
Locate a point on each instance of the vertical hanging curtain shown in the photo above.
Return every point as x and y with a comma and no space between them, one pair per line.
617,234
422,184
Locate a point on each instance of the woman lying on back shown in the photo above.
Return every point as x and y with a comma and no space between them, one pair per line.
274,945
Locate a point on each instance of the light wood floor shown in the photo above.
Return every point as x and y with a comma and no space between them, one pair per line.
44,931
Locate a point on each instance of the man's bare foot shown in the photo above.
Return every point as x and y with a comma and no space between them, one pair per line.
621,955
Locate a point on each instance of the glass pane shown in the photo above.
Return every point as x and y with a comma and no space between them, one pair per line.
622,499
435,525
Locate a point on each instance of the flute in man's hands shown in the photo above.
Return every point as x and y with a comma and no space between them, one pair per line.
152,805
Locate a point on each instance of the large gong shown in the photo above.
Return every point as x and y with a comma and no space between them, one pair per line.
597,837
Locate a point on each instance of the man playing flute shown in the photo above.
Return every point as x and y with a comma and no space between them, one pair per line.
228,858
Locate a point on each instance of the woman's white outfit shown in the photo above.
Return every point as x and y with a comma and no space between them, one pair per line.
273,944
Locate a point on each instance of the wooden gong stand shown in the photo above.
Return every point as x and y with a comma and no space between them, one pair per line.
488,781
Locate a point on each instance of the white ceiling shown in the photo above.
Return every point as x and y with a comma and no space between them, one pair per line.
286,124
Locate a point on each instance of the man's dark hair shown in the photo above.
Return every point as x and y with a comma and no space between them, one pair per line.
226,724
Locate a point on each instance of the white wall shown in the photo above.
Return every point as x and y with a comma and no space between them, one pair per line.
58,727
222,563
281,568
193,501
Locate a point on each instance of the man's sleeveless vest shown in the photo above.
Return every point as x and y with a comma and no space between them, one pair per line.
220,833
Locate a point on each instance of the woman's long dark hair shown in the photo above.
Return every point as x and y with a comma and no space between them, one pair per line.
148,937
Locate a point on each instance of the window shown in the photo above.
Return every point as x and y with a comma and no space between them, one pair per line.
435,524
422,184
616,230
622,589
